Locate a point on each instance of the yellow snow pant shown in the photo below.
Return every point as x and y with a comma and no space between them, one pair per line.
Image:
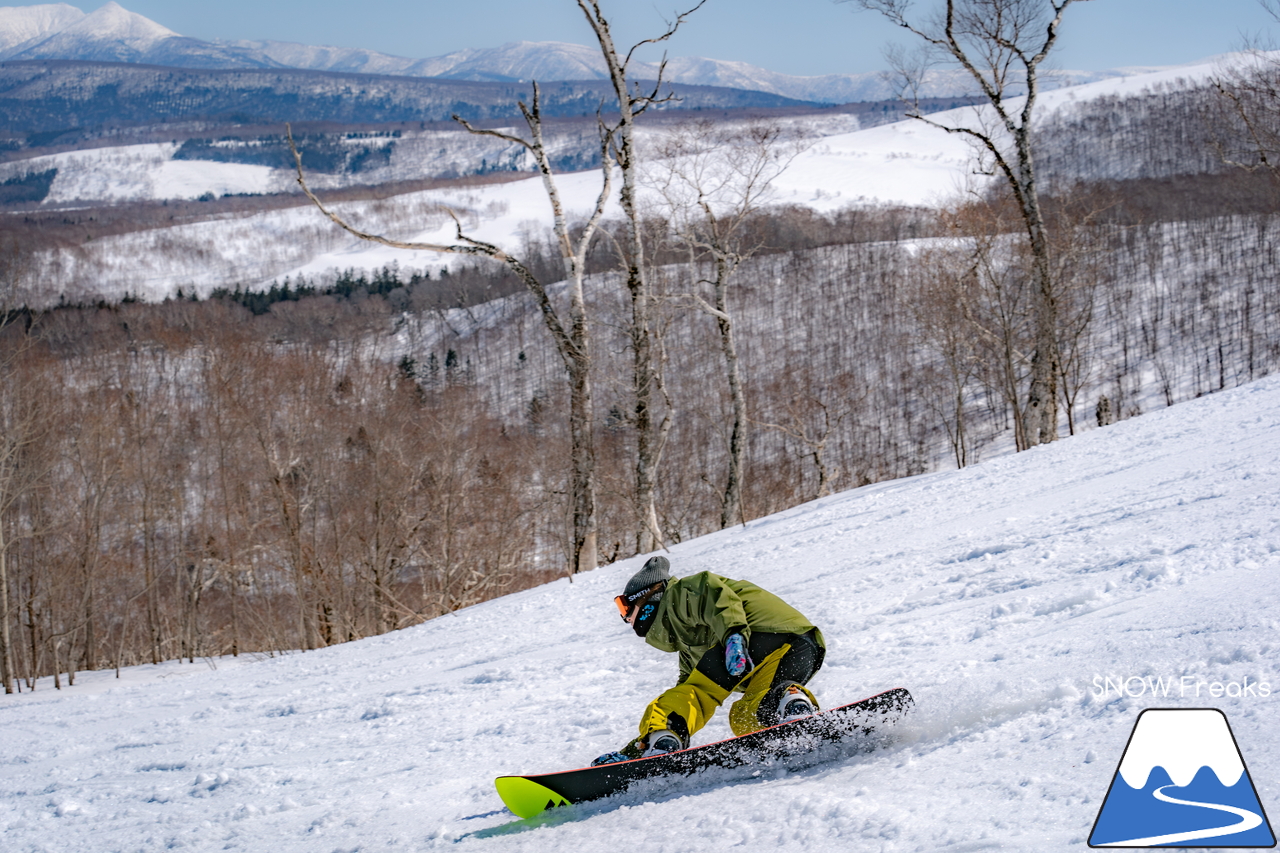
697,697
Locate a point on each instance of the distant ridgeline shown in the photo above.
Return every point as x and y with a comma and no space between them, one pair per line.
53,97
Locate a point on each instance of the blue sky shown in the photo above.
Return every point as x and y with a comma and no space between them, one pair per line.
791,36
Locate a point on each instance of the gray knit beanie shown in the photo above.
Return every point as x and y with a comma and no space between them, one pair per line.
657,569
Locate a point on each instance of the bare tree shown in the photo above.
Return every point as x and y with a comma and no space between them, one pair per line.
569,329
1001,44
1244,120
22,469
991,297
712,182
811,421
939,303
618,147
632,101
16,266
1079,258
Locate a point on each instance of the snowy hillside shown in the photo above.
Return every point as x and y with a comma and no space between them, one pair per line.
907,163
904,163
1003,595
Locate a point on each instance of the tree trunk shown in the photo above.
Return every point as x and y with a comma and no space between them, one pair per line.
650,435
644,377
644,374
648,447
582,451
1042,397
6,637
731,511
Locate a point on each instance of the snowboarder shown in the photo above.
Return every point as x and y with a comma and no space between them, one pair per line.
732,637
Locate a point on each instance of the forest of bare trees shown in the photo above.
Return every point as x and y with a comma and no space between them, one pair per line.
209,492
188,479
312,465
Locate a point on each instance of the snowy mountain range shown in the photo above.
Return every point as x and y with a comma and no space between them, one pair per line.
111,34
114,34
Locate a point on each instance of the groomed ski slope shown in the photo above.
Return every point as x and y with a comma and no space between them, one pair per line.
997,594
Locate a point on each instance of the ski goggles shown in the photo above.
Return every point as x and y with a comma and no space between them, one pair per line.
628,604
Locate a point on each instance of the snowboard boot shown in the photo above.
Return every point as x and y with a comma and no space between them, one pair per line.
662,742
794,704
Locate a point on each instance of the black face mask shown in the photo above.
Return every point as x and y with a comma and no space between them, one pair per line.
648,614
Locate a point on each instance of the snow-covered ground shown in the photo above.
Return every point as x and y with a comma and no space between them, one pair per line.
143,173
1002,595
906,163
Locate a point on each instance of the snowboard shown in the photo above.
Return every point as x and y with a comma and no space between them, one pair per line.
527,796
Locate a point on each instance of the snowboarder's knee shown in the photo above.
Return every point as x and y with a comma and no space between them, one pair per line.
693,702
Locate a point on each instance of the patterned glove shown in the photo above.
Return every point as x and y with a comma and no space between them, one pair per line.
736,658
609,758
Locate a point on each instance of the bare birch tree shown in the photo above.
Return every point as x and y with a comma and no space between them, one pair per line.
569,328
633,101
712,181
1001,44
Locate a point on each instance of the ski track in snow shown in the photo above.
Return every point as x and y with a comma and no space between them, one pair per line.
996,594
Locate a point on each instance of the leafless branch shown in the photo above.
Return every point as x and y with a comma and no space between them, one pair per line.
473,247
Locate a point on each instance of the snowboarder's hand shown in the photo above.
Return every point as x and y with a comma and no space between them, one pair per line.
736,658
609,758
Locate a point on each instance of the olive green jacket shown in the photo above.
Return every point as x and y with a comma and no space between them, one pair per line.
699,612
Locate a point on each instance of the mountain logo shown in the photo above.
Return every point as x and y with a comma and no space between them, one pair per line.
1182,782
